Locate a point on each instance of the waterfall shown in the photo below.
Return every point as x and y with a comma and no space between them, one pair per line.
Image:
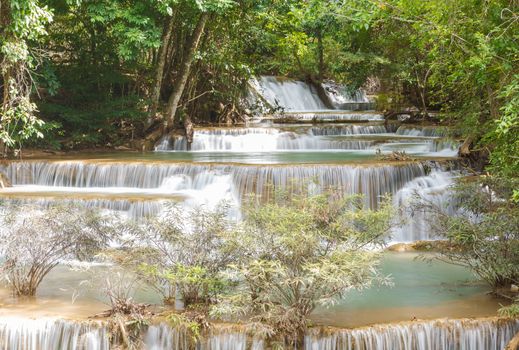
333,130
298,96
316,138
462,334
415,224
136,189
343,98
51,334
467,334
139,189
134,209
427,147
212,182
291,95
256,140
333,116
424,131
219,337
162,337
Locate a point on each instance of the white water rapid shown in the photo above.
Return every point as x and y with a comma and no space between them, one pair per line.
56,334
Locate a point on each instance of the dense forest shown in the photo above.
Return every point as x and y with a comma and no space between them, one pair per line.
119,75
79,74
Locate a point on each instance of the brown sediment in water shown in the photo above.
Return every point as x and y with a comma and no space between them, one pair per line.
478,306
81,309
41,307
467,320
421,246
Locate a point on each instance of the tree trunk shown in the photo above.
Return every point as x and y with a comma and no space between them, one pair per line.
159,72
492,103
180,81
190,132
422,91
5,20
320,55
5,99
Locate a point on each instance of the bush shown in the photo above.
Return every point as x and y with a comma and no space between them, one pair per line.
484,236
300,254
185,253
33,241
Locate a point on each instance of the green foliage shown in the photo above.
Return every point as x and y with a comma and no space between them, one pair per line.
35,240
511,311
461,57
300,254
98,95
186,253
179,321
20,23
97,64
314,39
485,235
505,135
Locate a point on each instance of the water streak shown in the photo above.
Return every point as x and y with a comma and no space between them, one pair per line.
333,130
343,98
415,222
428,131
333,117
51,334
257,142
212,182
432,335
291,95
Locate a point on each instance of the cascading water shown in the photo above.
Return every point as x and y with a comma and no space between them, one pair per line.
298,96
162,336
56,334
291,95
427,131
256,140
343,98
316,138
52,334
210,183
146,185
432,335
414,224
141,188
134,209
334,130
333,116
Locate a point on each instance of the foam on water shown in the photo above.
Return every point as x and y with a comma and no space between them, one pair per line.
316,138
485,334
299,96
207,183
55,334
415,223
291,95
51,334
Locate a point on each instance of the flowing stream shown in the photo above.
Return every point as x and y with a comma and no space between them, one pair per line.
308,154
56,334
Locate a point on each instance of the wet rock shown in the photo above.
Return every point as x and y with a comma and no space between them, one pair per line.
401,247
